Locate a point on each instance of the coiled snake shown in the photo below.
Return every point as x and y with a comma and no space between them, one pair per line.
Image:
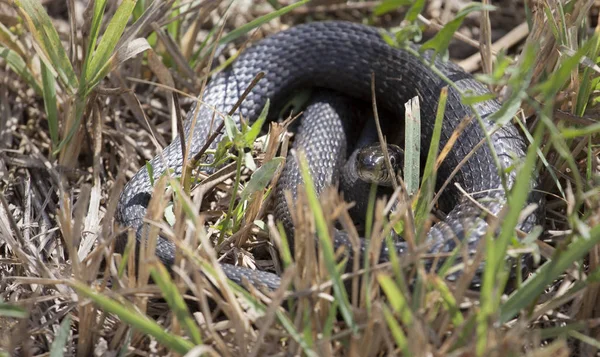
342,57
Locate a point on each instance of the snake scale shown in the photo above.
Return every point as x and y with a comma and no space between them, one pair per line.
342,57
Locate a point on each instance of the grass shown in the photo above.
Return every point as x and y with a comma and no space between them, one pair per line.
70,143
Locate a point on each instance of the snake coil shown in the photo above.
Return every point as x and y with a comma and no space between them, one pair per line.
343,56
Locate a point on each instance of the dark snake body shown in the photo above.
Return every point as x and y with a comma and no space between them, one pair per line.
342,57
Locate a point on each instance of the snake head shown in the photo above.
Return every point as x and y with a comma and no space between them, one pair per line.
371,166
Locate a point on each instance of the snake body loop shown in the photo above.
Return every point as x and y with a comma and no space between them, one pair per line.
342,57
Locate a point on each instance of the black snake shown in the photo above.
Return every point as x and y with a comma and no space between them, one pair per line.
342,57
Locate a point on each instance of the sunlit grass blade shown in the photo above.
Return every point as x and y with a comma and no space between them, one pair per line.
440,42
10,310
325,243
556,82
396,299
10,41
583,95
210,271
136,319
449,300
61,338
17,64
548,272
429,172
97,16
176,302
242,30
412,147
390,5
99,62
396,330
50,47
492,285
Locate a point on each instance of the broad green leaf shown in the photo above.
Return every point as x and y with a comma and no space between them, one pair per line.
249,161
231,128
251,135
261,178
415,10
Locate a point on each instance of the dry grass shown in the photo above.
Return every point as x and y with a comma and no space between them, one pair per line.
67,287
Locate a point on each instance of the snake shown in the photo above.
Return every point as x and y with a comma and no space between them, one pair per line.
354,61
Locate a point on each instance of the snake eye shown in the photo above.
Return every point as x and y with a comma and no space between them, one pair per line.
393,161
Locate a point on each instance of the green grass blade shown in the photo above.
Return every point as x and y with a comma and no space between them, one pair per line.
242,30
412,147
251,135
325,243
291,329
571,133
50,47
134,318
50,100
396,299
544,275
9,310
390,5
440,42
396,330
556,82
61,338
583,95
415,10
449,300
584,338
98,13
17,64
100,59
176,302
496,248
429,173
